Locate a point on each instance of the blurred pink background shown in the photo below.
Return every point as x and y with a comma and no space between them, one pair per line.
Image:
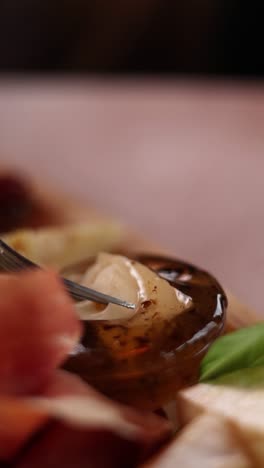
181,163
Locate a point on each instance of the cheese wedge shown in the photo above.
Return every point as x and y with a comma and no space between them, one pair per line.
208,442
243,407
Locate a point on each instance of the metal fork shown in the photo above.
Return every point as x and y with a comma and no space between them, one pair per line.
12,261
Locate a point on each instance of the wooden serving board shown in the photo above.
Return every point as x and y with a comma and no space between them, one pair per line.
66,210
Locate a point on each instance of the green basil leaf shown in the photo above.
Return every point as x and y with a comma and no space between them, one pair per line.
250,379
241,349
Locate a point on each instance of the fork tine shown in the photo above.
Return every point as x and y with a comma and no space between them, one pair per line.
8,261
4,264
14,256
11,260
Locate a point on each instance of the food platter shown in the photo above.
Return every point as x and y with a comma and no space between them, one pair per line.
61,210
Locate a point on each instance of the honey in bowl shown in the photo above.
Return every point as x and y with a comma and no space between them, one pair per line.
144,358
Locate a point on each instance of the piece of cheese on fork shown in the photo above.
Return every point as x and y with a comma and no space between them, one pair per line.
208,442
243,407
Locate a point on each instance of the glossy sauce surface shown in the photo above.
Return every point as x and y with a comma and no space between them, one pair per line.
143,366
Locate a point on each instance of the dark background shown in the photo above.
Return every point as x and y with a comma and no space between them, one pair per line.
207,37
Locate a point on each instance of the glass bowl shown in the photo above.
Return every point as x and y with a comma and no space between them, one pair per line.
141,371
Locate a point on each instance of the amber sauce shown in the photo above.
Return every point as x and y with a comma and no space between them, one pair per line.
144,367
